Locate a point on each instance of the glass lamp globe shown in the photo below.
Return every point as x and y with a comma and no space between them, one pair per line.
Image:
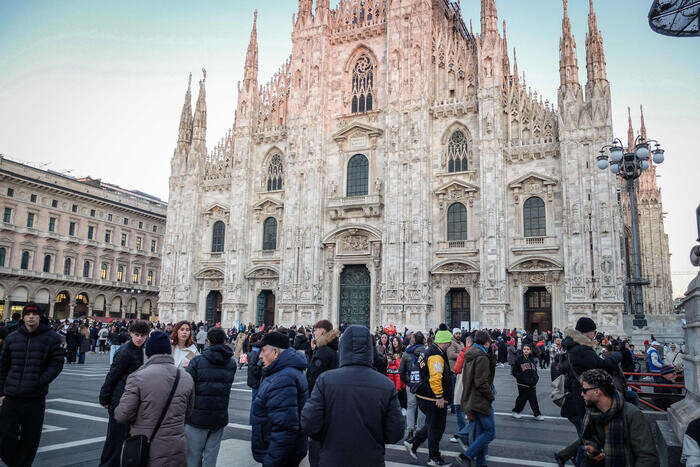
658,156
614,168
602,164
642,152
616,154
645,165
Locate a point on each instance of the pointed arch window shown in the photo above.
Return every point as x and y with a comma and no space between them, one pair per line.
456,223
358,176
457,152
363,85
275,173
217,237
270,234
534,218
25,260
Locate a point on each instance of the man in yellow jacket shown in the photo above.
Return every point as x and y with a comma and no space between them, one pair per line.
433,396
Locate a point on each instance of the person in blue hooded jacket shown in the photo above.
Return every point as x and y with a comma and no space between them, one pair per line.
277,439
353,410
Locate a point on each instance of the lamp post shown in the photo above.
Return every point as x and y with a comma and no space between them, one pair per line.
629,166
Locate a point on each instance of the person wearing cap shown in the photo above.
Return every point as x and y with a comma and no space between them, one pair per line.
654,360
32,357
434,395
144,398
277,438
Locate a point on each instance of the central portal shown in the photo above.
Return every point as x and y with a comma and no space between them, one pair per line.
213,310
266,309
538,310
457,309
355,294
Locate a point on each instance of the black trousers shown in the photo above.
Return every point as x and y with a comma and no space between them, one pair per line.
527,394
314,453
435,420
112,449
21,419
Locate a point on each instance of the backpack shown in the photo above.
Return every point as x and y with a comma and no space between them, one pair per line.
418,372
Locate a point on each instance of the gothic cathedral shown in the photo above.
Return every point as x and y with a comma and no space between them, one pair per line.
398,170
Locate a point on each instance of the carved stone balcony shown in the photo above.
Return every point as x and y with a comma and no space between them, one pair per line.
355,206
453,107
528,245
459,247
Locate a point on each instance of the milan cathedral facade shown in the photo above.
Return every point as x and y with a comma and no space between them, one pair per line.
398,169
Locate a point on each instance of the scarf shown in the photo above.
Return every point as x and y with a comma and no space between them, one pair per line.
613,425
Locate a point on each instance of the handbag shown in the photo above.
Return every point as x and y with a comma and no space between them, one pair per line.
135,448
558,394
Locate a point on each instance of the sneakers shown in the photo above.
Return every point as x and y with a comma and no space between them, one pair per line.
539,418
464,461
403,412
436,462
515,415
453,439
411,452
463,444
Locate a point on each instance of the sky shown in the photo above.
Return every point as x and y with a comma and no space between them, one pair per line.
95,87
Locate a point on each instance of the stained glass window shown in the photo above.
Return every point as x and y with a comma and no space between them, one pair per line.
275,173
457,152
270,234
362,85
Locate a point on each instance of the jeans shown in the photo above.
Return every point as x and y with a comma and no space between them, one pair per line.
415,418
21,421
93,344
527,394
112,449
484,427
81,358
112,350
203,446
435,420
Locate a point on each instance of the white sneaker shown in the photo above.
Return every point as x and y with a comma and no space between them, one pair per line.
409,448
453,440
403,412
539,418
515,415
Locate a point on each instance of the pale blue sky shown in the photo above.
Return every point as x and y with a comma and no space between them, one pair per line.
96,86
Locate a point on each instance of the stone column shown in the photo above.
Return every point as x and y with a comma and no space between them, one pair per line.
333,311
52,305
70,311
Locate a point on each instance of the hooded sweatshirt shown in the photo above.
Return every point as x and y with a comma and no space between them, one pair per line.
525,371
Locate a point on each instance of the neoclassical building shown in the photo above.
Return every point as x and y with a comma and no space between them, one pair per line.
398,169
77,246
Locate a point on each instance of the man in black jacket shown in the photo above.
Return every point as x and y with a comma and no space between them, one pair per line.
353,407
31,358
324,357
213,374
128,359
255,367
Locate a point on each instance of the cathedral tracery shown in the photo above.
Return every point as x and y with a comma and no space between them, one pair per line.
457,152
275,173
363,85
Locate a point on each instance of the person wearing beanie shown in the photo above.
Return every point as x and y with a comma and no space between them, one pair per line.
32,357
434,394
147,390
580,356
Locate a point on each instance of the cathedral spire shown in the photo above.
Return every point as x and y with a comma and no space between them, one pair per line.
630,131
489,18
643,129
568,64
322,5
595,57
506,59
185,133
250,79
515,66
199,126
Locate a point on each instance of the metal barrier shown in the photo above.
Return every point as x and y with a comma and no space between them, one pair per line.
636,386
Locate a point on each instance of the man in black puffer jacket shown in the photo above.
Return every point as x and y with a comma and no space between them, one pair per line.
213,374
31,358
127,360
353,410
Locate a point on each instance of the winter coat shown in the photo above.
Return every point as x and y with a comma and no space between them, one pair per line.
438,376
353,411
277,438
512,355
453,351
84,344
582,357
477,380
72,340
143,401
525,371
392,372
324,357
212,373
30,361
240,339
502,352
385,352
128,359
254,369
407,358
201,337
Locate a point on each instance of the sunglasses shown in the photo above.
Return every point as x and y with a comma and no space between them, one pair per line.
585,390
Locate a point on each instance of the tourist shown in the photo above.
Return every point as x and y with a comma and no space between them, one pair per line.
201,338
277,436
453,351
213,373
147,396
353,411
72,343
434,395
526,377
613,431
654,360
184,349
392,370
102,336
127,360
254,373
415,418
32,357
83,343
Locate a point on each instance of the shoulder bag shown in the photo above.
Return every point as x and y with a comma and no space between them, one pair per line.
558,394
135,448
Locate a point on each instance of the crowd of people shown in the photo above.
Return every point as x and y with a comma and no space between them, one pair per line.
323,392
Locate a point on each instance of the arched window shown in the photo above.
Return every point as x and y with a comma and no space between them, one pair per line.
362,85
217,237
275,173
270,234
66,267
47,263
86,269
457,152
25,260
456,223
3,252
358,175
534,218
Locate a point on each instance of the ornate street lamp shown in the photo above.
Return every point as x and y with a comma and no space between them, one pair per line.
629,166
